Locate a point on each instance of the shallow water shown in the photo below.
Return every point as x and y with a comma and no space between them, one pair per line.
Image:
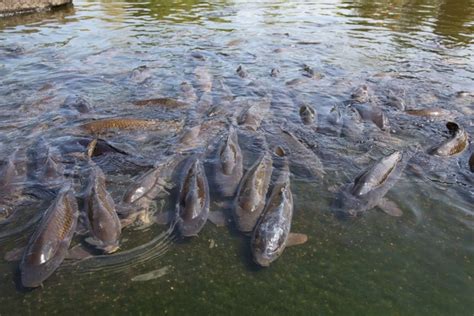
422,51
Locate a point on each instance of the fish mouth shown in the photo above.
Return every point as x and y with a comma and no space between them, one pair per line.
111,248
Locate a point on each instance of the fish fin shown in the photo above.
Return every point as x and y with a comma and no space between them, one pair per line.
92,241
78,252
218,218
163,218
389,207
295,239
14,254
124,222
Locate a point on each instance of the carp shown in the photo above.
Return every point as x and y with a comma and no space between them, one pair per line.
229,166
49,243
251,194
192,207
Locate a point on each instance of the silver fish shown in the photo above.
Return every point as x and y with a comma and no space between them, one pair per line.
456,144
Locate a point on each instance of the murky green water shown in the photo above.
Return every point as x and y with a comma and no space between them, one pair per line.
419,264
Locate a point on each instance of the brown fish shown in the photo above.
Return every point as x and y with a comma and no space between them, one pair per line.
165,102
104,125
229,167
429,112
455,145
101,216
251,194
49,243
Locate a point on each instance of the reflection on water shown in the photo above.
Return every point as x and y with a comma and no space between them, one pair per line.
291,53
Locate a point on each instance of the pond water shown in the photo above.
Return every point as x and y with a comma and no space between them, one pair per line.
114,54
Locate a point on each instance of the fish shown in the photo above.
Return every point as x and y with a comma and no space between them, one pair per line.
373,114
272,233
370,187
229,166
104,125
275,72
360,94
140,74
100,215
192,207
241,72
395,102
187,92
49,243
140,194
252,116
251,194
430,112
74,102
165,102
301,155
455,145
307,114
203,78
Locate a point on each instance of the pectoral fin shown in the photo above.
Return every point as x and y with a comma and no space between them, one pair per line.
390,208
78,252
14,254
295,239
217,218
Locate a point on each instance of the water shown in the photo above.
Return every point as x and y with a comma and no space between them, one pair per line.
422,51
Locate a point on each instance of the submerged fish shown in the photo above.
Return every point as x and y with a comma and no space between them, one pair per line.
241,72
229,166
429,112
360,94
50,241
101,216
272,232
187,92
203,78
192,208
301,156
369,188
251,194
104,125
74,102
456,144
307,114
373,114
253,115
140,194
166,102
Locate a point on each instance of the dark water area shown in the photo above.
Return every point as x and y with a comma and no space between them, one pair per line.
114,55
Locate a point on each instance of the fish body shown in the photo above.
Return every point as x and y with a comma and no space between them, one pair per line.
271,233
165,102
229,167
307,114
251,194
456,144
369,188
192,208
429,112
253,115
360,94
99,207
104,125
50,241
